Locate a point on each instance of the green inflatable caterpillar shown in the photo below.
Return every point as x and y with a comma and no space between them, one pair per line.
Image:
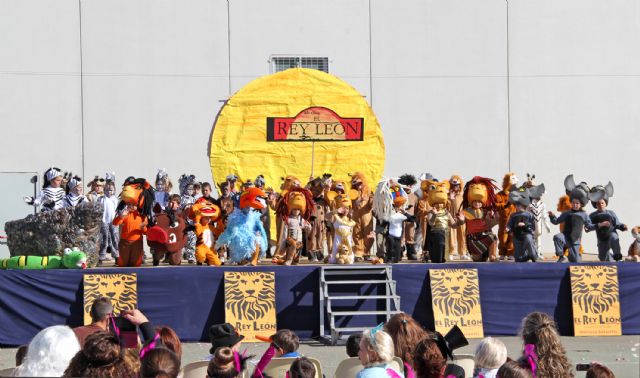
71,259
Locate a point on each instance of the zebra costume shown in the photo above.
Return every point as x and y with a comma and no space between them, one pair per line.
186,200
50,199
73,200
539,211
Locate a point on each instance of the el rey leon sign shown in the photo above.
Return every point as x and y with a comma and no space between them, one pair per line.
315,124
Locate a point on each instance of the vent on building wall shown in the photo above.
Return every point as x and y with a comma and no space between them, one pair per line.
281,63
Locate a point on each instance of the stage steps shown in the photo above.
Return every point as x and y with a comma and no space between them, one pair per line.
334,279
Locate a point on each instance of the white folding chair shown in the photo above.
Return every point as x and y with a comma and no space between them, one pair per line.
278,367
466,362
349,368
7,372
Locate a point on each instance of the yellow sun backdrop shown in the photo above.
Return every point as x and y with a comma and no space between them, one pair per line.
273,124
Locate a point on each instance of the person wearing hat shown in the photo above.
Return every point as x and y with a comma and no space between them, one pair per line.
521,225
607,223
233,191
74,195
52,191
574,220
224,335
96,189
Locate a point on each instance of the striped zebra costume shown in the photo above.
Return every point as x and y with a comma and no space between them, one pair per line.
541,217
50,199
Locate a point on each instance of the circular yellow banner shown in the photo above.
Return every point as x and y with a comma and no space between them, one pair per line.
283,123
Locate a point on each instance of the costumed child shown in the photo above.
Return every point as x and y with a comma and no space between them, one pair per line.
316,235
422,212
288,183
265,214
96,189
505,209
634,248
564,204
109,235
522,224
163,188
74,195
397,221
206,215
440,221
342,225
295,209
187,185
573,220
408,236
52,193
382,211
607,223
480,217
244,233
166,237
134,213
539,211
457,235
363,216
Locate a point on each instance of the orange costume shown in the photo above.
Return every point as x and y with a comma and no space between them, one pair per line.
134,223
205,215
505,209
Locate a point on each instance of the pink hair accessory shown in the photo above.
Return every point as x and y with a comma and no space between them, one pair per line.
532,357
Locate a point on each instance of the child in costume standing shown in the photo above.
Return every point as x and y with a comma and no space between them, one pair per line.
163,188
187,199
109,236
134,213
96,189
52,193
295,209
74,195
607,223
521,225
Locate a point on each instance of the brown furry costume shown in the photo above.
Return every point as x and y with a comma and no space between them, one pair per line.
291,238
316,236
505,209
421,213
287,183
634,248
362,215
481,242
457,236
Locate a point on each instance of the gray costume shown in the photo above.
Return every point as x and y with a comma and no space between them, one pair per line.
573,221
523,244
607,236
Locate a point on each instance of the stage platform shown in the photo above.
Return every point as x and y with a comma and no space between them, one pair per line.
191,298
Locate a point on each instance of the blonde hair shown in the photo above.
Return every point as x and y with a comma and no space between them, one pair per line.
381,344
491,353
540,330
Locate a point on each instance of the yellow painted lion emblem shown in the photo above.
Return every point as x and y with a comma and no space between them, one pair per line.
249,295
594,288
455,291
120,288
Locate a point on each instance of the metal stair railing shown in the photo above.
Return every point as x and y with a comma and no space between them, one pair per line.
336,276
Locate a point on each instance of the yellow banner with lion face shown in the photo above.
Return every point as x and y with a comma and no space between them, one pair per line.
250,303
455,295
596,304
121,289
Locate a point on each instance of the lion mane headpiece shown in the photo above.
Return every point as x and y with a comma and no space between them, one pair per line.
438,192
510,180
296,198
359,182
480,189
139,192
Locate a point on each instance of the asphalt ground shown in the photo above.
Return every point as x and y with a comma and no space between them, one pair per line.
619,353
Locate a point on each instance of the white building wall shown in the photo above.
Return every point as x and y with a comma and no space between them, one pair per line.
459,86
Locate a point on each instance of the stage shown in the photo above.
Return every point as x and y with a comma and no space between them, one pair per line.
190,299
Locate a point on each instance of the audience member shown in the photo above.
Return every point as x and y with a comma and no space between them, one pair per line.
429,361
170,340
353,345
160,363
542,344
226,363
406,334
101,356
490,354
224,335
21,352
49,353
286,343
516,369
599,371
376,351
101,310
302,368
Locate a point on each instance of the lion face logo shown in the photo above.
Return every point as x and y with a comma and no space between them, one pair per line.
455,291
594,288
249,295
120,288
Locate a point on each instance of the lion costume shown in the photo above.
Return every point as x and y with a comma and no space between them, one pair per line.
343,229
457,235
317,235
440,221
295,210
363,216
634,248
505,209
480,217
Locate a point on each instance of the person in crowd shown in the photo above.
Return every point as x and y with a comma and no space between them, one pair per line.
286,343
429,362
224,335
75,190
160,363
170,340
376,352
353,345
101,356
21,352
109,233
406,334
48,353
227,363
302,368
516,369
206,192
542,344
101,310
599,371
490,354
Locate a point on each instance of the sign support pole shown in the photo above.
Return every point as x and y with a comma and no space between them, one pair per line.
313,153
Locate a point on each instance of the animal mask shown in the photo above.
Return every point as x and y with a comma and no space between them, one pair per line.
296,198
599,192
398,195
480,189
438,192
139,192
579,192
509,180
74,258
253,198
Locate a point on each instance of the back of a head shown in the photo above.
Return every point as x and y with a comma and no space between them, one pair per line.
160,363
515,369
21,353
381,343
302,368
170,340
101,308
353,345
224,364
287,340
491,353
49,352
406,334
100,356
428,361
539,329
599,371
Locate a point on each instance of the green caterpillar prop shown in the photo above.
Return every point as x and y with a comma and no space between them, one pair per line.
71,259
